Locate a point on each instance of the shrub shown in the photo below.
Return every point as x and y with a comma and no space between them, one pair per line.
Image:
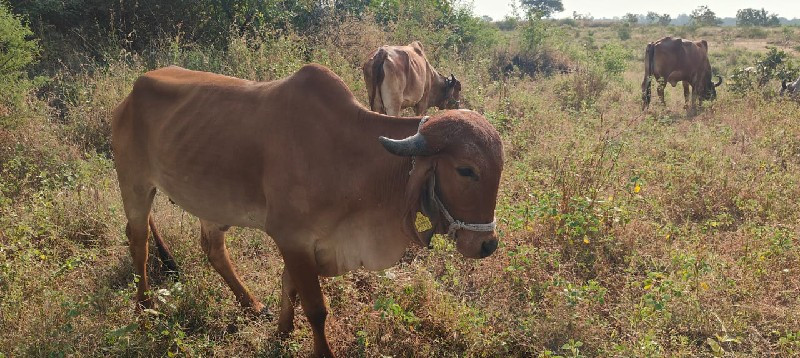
774,64
613,58
753,33
17,52
581,90
624,31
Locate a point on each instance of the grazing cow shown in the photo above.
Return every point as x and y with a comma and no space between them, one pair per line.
399,77
301,159
790,88
672,60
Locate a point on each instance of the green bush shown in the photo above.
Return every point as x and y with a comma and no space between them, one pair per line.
613,58
624,31
775,64
17,51
581,90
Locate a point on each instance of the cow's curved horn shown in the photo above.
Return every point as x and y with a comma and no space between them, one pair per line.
718,82
415,145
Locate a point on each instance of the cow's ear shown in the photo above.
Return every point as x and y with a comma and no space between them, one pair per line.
451,82
417,46
704,43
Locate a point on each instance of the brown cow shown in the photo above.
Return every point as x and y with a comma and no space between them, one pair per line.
301,159
399,77
672,60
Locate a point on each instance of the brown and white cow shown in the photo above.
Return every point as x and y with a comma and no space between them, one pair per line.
671,60
301,159
399,77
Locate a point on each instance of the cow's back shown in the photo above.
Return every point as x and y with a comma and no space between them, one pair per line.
680,60
222,135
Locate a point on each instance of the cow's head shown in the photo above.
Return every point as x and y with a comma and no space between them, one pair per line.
710,92
790,87
451,94
458,157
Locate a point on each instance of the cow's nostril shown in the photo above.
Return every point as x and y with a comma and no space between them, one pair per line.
488,247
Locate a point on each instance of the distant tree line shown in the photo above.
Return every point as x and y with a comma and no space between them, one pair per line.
704,16
93,27
753,17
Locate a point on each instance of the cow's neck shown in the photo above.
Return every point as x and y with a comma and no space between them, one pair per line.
438,82
373,235
393,173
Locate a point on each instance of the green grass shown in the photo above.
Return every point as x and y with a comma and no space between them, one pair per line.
623,233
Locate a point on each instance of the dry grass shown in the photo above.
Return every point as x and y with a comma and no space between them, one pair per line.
624,233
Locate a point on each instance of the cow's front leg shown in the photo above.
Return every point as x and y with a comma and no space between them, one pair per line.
288,303
693,106
420,108
303,273
685,94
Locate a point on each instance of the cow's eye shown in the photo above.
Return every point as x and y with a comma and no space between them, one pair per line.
467,172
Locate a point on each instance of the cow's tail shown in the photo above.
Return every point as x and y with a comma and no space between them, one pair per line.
377,77
649,64
167,260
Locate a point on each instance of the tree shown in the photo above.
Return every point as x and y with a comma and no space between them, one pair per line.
544,8
17,51
586,16
753,17
703,16
664,19
631,18
654,18
651,17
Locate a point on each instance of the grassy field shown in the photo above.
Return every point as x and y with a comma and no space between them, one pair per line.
623,233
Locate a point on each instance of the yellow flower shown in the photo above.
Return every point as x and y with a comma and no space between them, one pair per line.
637,188
585,239
422,222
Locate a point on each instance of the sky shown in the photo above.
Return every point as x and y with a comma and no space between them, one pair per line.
497,9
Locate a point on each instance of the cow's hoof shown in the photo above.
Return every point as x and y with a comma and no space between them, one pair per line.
144,304
284,331
258,310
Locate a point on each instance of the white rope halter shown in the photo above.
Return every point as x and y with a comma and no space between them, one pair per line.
454,225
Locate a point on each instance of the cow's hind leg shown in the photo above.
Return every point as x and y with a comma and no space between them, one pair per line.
646,92
137,200
288,303
660,89
392,95
212,239
167,260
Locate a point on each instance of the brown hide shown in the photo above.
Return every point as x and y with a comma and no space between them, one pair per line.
300,159
672,60
399,77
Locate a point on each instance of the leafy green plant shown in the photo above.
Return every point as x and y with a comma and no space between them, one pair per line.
17,52
391,309
775,64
